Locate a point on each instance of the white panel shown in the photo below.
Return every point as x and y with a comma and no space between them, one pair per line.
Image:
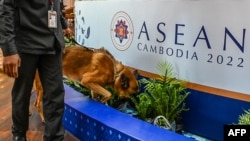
207,41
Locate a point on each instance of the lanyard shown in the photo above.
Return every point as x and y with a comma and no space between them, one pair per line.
51,3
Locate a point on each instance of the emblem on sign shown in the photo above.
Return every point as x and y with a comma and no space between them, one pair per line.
122,31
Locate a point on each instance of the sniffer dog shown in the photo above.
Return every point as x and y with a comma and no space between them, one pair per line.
95,69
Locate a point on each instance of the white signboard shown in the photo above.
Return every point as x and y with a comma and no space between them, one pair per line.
207,41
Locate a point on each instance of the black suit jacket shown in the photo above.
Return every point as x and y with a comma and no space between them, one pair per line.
24,27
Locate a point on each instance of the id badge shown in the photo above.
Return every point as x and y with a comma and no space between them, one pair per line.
52,16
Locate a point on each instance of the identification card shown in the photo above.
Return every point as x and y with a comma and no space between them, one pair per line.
52,16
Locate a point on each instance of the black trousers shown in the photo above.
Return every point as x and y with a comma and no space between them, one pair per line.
50,71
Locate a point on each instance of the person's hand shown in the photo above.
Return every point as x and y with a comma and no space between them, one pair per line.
67,32
11,64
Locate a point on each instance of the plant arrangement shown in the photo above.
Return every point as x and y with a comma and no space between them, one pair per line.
244,119
160,102
114,101
77,86
163,98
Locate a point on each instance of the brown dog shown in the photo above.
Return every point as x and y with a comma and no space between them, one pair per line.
94,69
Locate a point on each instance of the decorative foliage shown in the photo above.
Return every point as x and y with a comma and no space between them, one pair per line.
143,105
114,101
164,95
244,119
77,86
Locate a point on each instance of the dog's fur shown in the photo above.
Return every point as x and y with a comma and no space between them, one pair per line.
94,69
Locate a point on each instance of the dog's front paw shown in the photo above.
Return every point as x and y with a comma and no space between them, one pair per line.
105,99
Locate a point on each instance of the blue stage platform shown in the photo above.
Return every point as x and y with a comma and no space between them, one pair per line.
89,120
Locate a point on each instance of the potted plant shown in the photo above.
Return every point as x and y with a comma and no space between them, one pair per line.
163,98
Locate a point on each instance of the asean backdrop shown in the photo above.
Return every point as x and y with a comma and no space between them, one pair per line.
208,42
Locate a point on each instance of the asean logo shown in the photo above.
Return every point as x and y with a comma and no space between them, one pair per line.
122,31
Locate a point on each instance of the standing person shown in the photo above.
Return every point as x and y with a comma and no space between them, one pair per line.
31,38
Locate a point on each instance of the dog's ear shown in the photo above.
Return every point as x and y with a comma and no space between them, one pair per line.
124,82
119,67
136,73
